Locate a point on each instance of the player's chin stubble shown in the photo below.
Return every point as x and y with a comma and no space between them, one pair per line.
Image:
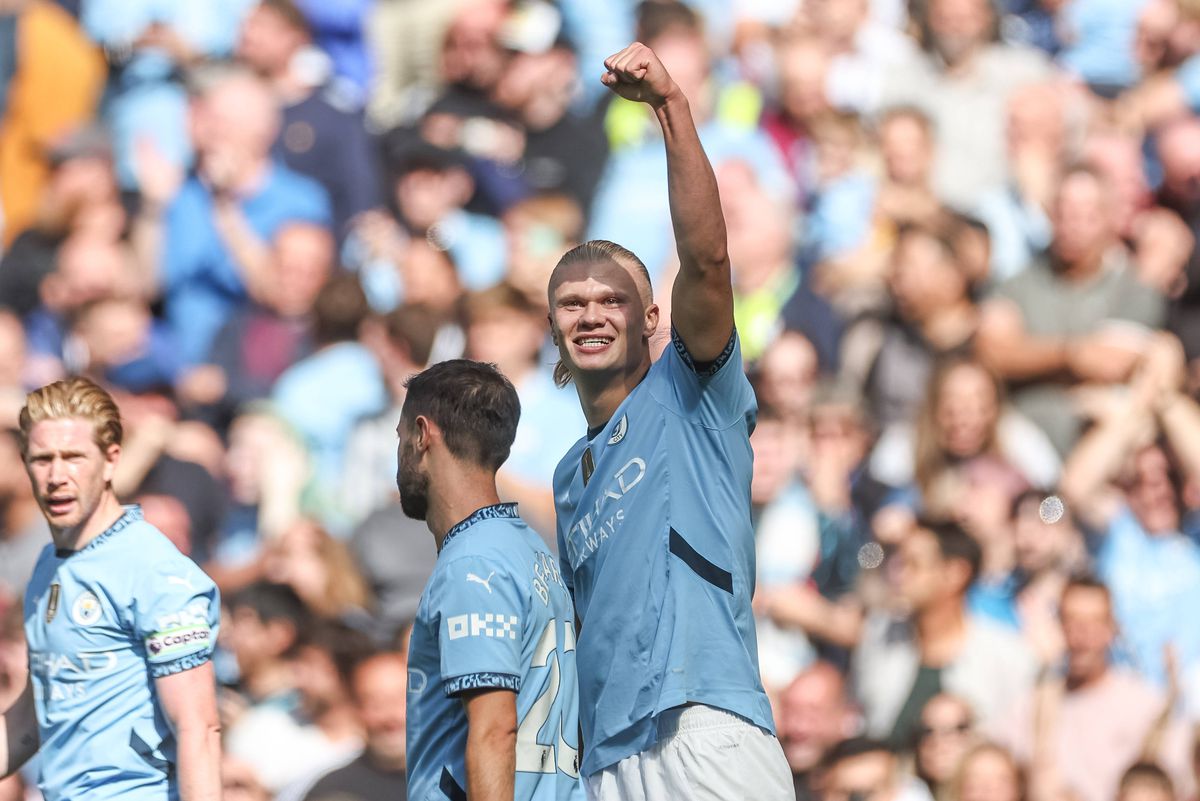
414,493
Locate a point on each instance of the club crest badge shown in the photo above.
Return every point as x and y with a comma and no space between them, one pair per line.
620,430
86,609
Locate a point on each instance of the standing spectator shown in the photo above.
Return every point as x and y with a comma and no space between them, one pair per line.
565,148
257,345
814,715
52,59
268,624
325,394
394,555
803,64
1106,715
902,662
962,78
1078,317
1139,527
321,667
212,238
322,133
377,684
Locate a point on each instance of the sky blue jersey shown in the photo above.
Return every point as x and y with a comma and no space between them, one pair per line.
656,543
495,614
103,623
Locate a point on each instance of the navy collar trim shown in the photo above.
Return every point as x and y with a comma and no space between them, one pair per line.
496,510
132,514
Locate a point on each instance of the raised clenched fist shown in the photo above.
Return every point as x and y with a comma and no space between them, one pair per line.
636,74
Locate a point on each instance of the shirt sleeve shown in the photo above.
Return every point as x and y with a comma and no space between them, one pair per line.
176,616
712,394
482,614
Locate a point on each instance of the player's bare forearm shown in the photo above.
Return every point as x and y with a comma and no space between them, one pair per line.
702,298
18,733
190,705
491,757
199,752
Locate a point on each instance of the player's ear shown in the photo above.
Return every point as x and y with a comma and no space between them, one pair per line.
651,324
111,456
553,329
424,432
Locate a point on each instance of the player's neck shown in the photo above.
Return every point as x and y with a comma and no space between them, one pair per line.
107,512
456,496
601,394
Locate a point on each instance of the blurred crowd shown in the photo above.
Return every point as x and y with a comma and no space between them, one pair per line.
966,284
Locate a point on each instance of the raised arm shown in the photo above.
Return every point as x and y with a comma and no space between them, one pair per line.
18,733
702,297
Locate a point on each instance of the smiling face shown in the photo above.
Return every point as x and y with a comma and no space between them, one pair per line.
69,472
602,318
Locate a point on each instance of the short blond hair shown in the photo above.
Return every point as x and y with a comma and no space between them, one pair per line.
70,398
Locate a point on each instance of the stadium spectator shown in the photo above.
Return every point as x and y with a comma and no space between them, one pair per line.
946,734
902,662
322,133
211,235
864,768
264,722
814,715
1078,317
257,345
377,683
393,554
966,78
1145,445
323,395
1107,716
538,231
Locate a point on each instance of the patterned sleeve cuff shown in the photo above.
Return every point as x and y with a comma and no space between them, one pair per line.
704,369
481,681
179,665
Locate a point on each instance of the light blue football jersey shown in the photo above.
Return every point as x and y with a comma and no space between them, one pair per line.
656,543
102,623
497,614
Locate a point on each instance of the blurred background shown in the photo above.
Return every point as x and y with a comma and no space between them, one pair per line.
963,241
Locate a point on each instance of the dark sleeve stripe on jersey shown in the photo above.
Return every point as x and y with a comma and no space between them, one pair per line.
179,665
716,576
704,369
481,681
450,788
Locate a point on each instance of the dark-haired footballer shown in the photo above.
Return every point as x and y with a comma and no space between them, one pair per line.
493,713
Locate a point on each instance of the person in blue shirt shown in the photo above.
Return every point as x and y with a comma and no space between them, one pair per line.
120,626
492,704
654,527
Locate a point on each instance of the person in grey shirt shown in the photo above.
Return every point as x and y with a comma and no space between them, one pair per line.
1078,317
